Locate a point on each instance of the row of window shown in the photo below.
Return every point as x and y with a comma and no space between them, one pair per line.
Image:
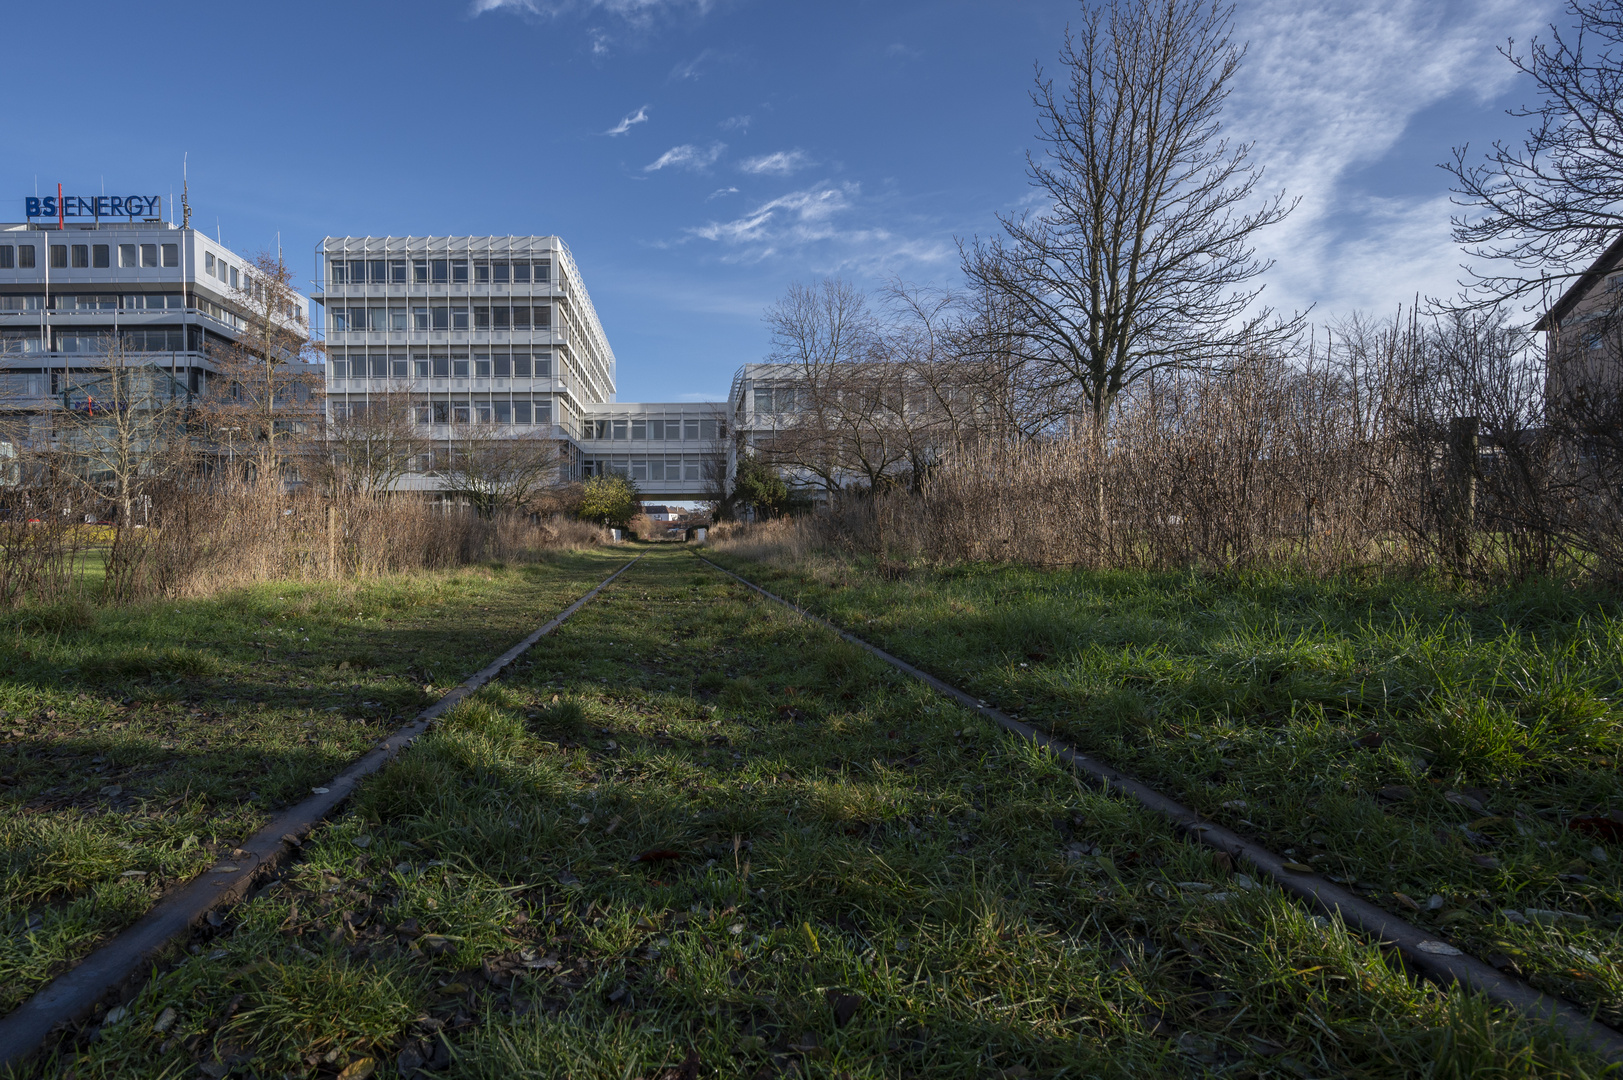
90,256
97,302
654,468
520,411
776,399
356,364
442,317
655,430
438,271
161,339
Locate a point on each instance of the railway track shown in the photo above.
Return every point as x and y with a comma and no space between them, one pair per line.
801,755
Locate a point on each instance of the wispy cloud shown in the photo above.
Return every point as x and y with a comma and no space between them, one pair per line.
688,156
692,69
721,193
816,226
782,163
625,125
898,49
735,123
1328,92
636,11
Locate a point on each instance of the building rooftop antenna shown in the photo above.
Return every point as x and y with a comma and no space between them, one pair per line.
185,204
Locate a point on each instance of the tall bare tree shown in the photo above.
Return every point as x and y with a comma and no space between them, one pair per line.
265,389
495,469
1540,211
1142,255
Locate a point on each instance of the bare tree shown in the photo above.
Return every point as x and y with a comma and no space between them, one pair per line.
372,444
1551,204
123,427
498,470
1142,257
264,392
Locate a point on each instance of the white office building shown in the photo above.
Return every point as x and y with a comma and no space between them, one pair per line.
72,289
501,330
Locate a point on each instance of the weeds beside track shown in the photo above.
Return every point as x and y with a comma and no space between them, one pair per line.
697,834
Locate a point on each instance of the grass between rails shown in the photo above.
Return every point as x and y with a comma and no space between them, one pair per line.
138,745
1434,749
693,835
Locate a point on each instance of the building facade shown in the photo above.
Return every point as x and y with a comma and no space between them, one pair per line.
500,331
77,295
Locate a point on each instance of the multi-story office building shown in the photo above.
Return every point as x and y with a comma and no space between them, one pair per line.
500,330
75,291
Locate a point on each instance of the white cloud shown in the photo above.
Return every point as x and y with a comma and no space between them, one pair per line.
899,49
625,125
636,11
814,226
687,156
735,123
692,69
721,192
1329,90
782,163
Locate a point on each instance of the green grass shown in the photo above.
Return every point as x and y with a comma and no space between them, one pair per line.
1427,746
138,745
694,835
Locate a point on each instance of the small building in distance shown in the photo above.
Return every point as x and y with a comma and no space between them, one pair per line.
1583,334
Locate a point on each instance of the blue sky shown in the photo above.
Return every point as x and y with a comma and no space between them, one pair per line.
699,155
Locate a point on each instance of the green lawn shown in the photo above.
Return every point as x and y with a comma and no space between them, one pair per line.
137,744
1443,752
693,835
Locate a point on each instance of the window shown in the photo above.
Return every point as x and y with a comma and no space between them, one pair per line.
234,285
459,317
504,411
690,429
99,256
482,410
377,318
81,256
8,257
377,271
481,317
397,317
442,366
459,366
442,412
25,256
459,413
397,271
500,273
442,316
502,366
543,364
543,317
419,271
501,318
459,271
149,255
639,468
521,365
481,366
639,430
419,316
208,262
481,273
439,266
340,368
357,318
380,365
521,318
543,271
521,412
707,429
340,320
419,364
171,255
690,468
357,272
59,257
619,430
521,273
656,430
340,272
543,411
656,469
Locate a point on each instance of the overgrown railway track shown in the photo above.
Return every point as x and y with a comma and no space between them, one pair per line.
868,861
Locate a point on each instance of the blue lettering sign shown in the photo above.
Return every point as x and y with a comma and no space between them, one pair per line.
96,206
